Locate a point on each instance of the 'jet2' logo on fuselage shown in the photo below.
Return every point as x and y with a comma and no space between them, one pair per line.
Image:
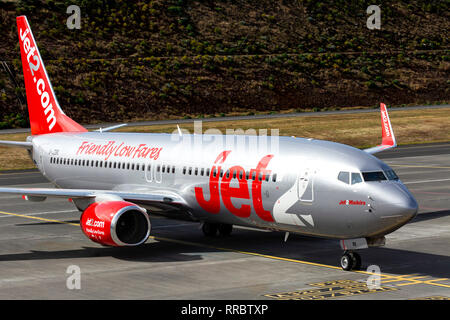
242,192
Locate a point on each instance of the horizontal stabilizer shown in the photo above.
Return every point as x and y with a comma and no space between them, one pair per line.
117,126
20,144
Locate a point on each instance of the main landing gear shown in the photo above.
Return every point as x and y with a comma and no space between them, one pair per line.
350,260
211,229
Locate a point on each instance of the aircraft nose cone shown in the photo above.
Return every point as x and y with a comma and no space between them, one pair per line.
402,205
408,207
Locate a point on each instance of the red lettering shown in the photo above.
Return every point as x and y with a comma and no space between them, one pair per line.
241,192
213,204
261,173
117,150
83,146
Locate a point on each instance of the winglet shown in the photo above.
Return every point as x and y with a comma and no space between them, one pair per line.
387,138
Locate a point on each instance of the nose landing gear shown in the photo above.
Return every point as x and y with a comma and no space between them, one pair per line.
350,260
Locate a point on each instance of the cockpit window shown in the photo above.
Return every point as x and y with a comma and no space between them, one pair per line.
374,176
391,175
356,178
344,177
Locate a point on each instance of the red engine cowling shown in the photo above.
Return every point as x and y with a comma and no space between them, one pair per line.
116,223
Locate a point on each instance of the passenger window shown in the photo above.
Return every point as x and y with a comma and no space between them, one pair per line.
274,177
356,178
344,177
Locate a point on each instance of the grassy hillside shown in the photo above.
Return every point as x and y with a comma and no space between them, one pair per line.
183,58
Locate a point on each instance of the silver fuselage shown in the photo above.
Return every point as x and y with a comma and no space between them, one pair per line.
290,184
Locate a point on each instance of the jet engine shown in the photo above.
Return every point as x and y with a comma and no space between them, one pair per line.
116,223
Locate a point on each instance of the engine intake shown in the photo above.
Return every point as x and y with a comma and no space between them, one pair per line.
116,223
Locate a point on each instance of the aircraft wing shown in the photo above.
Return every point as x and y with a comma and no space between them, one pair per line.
388,138
39,194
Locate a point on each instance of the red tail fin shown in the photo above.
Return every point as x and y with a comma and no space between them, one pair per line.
46,116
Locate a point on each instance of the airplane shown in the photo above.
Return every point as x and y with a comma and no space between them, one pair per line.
294,185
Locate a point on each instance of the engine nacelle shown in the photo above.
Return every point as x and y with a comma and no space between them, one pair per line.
116,223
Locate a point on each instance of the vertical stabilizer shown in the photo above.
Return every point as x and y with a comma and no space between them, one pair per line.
46,116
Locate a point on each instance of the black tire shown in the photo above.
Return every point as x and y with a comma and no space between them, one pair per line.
357,261
225,229
347,261
209,229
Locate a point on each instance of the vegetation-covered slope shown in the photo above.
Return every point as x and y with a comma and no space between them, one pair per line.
178,58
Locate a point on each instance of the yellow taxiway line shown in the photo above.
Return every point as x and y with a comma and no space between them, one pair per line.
409,279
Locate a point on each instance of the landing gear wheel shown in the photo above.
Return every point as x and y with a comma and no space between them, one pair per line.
357,263
350,261
209,229
347,261
225,229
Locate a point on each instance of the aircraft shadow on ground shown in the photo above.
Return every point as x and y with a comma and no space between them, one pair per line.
193,245
149,252
430,216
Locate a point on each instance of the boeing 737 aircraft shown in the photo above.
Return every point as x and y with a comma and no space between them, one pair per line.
117,180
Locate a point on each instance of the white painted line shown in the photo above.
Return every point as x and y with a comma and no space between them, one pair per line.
426,181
